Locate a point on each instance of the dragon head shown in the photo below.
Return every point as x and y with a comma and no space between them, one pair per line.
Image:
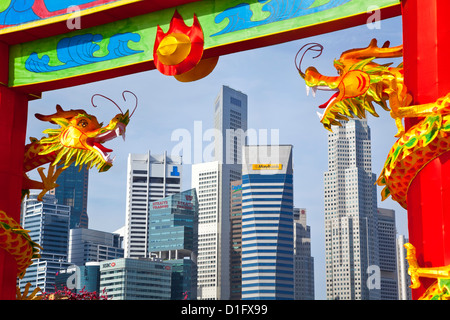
80,138
360,82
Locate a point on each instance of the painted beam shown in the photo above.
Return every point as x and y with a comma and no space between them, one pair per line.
126,46
22,21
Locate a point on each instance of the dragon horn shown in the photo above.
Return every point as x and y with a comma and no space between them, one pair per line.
373,50
60,113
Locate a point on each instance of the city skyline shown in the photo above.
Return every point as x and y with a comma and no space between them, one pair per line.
277,101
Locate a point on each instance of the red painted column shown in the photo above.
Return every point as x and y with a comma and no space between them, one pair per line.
13,124
426,41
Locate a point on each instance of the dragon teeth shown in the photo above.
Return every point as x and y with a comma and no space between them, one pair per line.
320,115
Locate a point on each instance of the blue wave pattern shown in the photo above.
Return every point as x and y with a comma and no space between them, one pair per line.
79,51
239,17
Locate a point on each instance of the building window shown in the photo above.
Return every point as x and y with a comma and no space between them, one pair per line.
235,101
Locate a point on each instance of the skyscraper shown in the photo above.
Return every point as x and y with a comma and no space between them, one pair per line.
230,120
73,192
213,228
149,178
173,237
388,259
267,223
48,223
351,241
304,262
212,181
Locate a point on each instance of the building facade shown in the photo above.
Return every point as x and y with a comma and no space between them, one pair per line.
351,240
236,240
149,178
48,225
136,279
267,223
387,234
73,191
304,262
86,245
173,234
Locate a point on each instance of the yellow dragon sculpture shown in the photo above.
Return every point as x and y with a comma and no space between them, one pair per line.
79,140
360,86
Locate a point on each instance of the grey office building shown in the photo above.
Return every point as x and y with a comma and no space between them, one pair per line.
86,245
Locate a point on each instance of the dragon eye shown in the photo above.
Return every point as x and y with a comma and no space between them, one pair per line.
83,123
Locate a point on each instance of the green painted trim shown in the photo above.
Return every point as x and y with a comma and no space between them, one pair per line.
146,25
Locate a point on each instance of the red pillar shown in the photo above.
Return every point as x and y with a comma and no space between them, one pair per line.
426,41
13,124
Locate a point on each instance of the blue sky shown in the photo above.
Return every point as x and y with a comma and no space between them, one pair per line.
277,100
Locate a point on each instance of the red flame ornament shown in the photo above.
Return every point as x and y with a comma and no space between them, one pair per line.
180,49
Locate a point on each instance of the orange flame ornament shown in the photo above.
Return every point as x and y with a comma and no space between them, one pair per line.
180,49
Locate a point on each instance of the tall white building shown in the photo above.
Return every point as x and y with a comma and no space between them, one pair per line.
351,241
213,260
149,178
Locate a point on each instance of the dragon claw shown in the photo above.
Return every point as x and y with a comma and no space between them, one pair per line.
49,181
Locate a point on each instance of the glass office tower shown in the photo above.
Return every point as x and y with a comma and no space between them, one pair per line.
173,233
73,192
267,223
48,223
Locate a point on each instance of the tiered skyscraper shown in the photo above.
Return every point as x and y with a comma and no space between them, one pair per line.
149,178
212,182
351,241
230,120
